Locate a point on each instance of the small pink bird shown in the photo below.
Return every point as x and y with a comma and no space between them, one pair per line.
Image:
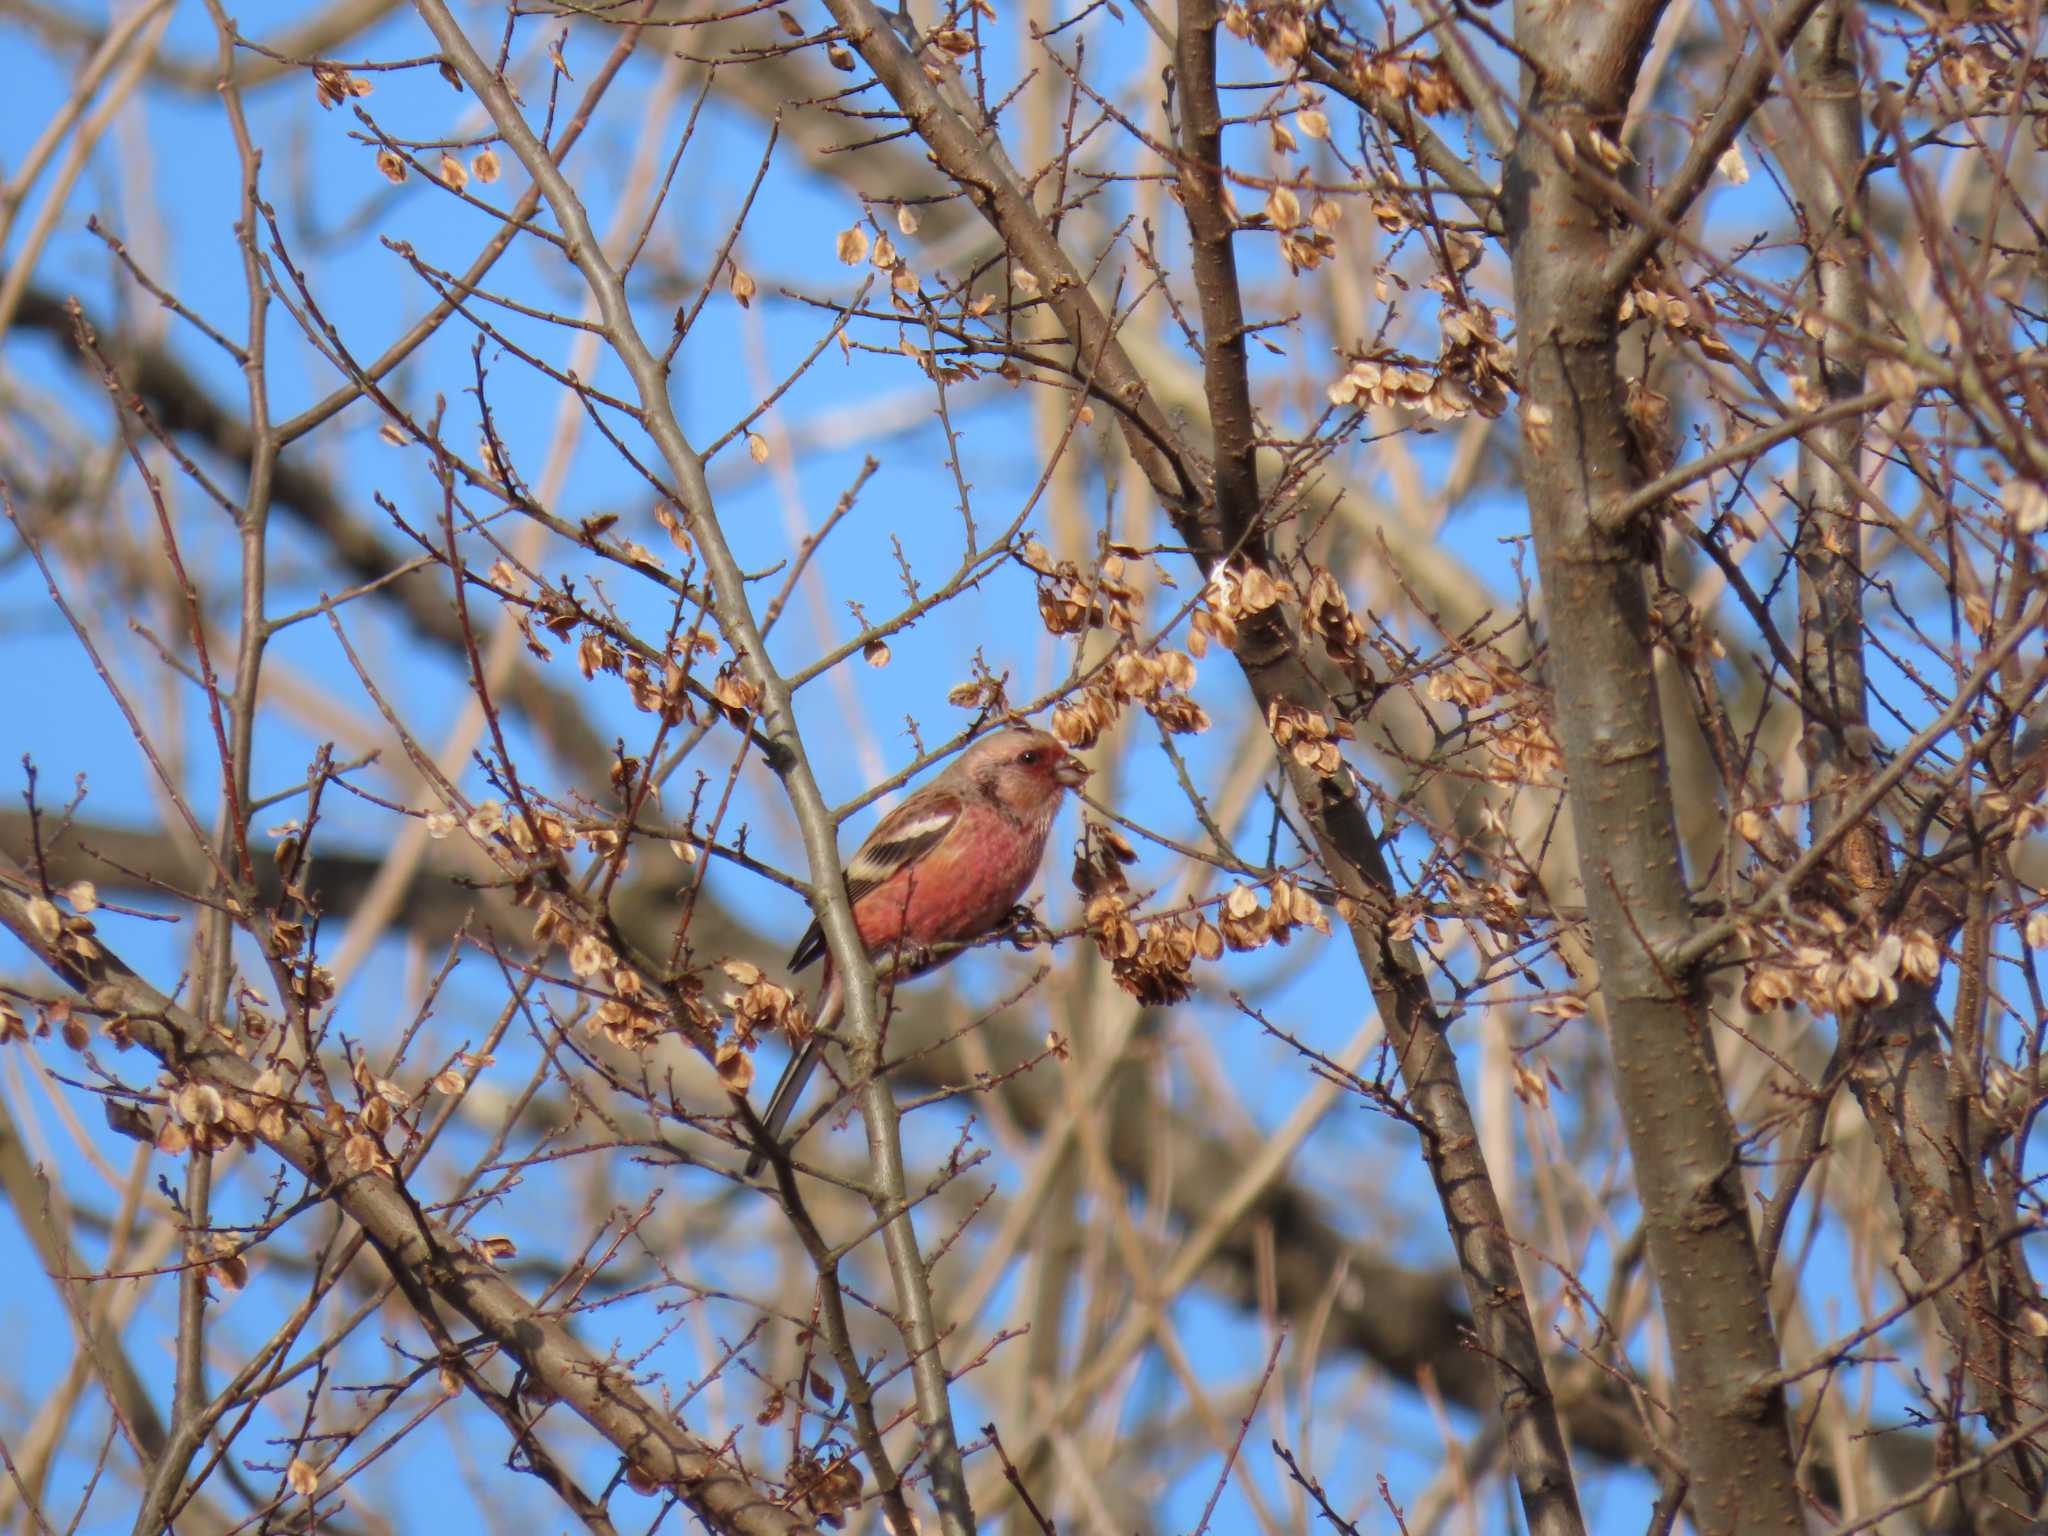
945,867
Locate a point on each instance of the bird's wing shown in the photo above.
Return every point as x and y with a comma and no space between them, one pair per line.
900,839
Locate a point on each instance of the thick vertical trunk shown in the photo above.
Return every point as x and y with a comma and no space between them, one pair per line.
1579,457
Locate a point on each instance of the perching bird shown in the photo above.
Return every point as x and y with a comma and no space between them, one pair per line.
945,867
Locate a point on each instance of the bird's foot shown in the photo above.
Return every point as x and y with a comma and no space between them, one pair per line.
1023,929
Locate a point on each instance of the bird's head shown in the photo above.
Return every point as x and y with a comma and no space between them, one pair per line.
1025,772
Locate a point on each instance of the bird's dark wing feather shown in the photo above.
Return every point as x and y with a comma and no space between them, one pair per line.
901,838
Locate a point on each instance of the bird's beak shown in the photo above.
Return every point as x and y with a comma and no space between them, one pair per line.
1072,772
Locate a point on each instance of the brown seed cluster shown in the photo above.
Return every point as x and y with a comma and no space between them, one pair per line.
1235,596
984,692
1660,299
1080,719
1153,961
1515,729
666,695
634,1013
70,936
631,1014
657,687
1159,683
1247,925
1857,969
737,695
1328,614
1473,372
759,1005
1278,28
334,85
830,1489
1238,595
1419,80
1309,736
890,263
1306,240
1070,602
1153,958
200,1117
1979,77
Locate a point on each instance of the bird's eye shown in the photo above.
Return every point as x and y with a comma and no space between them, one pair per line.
1030,759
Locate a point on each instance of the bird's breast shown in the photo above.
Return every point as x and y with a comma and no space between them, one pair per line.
960,890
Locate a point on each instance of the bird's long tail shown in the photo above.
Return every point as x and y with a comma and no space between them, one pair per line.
782,1104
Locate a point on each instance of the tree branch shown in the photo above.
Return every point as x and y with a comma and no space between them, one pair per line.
1270,651
1681,1136
598,1391
888,1192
